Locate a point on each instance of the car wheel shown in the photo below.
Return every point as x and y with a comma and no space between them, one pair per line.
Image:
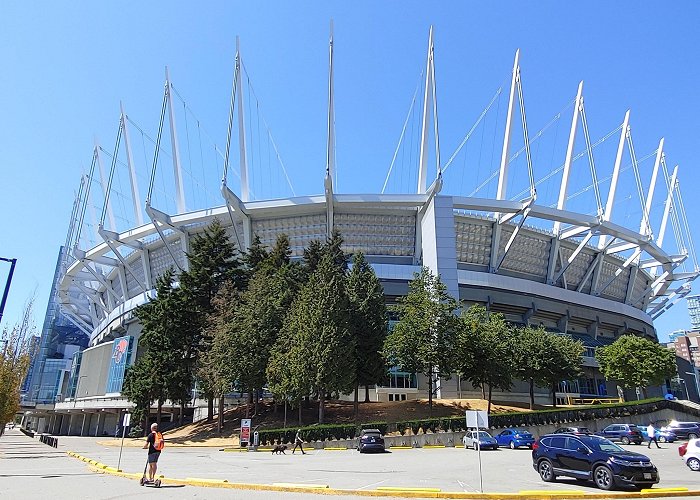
693,463
546,471
625,440
692,435
662,439
512,445
603,478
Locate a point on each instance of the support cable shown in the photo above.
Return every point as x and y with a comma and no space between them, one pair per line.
471,130
523,119
591,163
155,156
689,235
403,132
111,178
638,180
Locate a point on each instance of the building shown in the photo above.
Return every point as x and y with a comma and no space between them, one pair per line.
694,311
578,274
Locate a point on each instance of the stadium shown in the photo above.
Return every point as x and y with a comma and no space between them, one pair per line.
543,242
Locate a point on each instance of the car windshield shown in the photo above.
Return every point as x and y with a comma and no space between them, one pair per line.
482,435
583,430
523,433
604,445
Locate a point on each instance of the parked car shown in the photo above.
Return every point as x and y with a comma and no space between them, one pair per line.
625,433
572,430
684,430
515,438
484,440
371,440
663,436
591,457
690,453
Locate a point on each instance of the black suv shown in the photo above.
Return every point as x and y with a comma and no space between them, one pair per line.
685,430
593,458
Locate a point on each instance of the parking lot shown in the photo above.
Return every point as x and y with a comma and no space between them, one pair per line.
449,469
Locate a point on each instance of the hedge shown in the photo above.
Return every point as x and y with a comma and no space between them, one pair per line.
458,423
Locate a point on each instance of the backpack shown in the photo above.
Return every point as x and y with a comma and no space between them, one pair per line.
159,442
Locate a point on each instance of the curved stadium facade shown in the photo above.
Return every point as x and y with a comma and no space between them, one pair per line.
573,273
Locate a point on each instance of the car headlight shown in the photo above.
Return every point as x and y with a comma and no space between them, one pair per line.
620,461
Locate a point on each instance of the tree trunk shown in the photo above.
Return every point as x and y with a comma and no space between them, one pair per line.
210,407
554,395
257,398
160,412
181,416
145,422
488,405
321,401
532,394
366,394
300,421
483,391
430,393
356,402
220,420
247,405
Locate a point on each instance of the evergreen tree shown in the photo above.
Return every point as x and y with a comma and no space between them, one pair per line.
312,256
163,365
423,340
368,325
484,347
636,362
213,262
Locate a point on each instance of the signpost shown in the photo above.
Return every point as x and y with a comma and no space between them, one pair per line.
478,419
125,424
245,431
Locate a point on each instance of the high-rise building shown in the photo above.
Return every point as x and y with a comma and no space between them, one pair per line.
694,311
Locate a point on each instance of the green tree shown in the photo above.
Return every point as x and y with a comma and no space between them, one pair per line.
14,363
213,262
636,362
368,324
423,340
271,289
565,364
163,367
484,344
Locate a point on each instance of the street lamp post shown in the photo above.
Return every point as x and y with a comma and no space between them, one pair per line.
12,262
685,386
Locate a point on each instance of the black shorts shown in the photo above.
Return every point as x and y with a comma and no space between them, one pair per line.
153,457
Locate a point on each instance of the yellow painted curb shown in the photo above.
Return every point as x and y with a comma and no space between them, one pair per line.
400,447
408,488
551,493
301,485
434,446
113,469
661,490
240,450
335,449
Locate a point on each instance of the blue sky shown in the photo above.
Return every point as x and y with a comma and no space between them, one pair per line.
65,68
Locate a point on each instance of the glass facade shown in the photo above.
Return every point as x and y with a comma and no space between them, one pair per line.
694,311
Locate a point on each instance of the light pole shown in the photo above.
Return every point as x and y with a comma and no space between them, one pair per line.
685,387
12,262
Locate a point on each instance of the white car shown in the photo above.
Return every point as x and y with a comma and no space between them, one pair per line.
690,453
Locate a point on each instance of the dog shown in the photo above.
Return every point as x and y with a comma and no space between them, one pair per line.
279,448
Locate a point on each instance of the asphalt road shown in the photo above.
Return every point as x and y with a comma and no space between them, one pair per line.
450,469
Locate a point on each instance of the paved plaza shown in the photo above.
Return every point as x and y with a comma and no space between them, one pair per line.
31,469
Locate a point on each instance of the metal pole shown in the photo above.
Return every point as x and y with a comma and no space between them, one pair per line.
478,445
12,262
119,462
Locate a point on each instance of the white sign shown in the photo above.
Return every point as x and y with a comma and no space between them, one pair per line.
127,420
478,419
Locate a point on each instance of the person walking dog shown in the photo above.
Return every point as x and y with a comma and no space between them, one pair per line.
651,434
298,442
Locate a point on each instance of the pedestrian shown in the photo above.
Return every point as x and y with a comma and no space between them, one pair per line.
651,434
155,443
298,442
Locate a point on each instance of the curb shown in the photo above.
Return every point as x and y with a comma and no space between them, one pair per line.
395,491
